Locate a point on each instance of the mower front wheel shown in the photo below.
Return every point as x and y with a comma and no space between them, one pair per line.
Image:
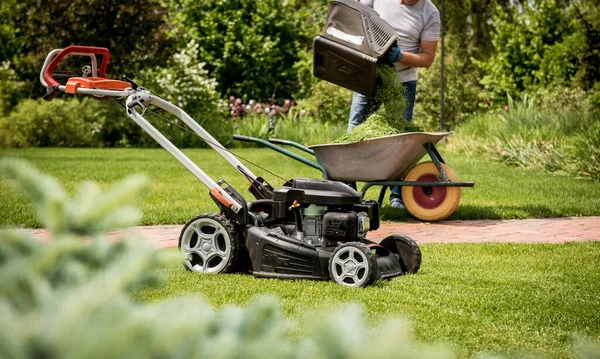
209,243
353,264
407,250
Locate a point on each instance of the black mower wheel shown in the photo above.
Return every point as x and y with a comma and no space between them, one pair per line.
210,244
353,264
407,250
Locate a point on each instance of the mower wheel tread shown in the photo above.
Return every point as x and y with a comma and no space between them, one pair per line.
231,231
407,249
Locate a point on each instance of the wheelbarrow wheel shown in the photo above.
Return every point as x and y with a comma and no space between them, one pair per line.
407,250
430,203
353,264
209,243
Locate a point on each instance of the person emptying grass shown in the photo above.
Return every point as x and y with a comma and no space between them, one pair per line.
417,23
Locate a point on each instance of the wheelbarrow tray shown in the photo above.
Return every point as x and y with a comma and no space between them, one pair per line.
386,158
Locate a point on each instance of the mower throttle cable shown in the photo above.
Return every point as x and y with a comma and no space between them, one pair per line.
155,113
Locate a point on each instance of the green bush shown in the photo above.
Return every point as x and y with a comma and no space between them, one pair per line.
185,82
328,103
461,93
249,46
65,123
10,88
558,133
542,44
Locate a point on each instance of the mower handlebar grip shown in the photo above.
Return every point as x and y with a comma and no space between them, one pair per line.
241,138
77,50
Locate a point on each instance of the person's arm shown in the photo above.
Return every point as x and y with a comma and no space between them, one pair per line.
422,59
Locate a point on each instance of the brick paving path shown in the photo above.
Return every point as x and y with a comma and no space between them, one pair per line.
548,230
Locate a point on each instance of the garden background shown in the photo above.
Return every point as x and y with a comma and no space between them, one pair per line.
521,77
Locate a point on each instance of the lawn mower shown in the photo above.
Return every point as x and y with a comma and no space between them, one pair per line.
304,229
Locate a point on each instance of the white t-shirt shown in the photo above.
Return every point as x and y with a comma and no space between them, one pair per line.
413,23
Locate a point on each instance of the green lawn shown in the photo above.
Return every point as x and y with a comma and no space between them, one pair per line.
175,195
500,298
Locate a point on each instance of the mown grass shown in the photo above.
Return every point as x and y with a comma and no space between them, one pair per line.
174,195
512,299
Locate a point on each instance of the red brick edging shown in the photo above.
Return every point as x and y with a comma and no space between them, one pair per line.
547,230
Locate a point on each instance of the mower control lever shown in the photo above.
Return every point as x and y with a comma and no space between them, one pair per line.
134,84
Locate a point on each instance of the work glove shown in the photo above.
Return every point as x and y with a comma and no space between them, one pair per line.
394,55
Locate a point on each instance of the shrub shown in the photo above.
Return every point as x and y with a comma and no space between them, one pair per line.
185,82
66,123
461,93
10,88
587,152
249,46
328,103
558,132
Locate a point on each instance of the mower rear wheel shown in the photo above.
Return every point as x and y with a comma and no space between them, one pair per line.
407,250
209,243
430,203
353,264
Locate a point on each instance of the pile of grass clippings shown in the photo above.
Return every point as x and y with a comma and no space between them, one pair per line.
388,118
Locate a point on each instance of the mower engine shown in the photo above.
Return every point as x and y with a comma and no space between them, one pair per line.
320,227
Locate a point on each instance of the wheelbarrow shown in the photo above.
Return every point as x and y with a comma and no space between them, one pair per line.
430,190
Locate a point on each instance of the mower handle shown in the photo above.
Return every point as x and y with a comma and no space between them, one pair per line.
52,85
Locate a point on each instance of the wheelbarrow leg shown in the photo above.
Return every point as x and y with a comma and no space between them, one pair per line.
382,195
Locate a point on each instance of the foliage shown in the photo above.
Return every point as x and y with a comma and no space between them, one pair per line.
461,91
291,126
133,32
587,152
68,123
10,88
329,103
184,81
542,44
557,133
249,46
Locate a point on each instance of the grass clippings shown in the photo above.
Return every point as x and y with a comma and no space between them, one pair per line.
388,118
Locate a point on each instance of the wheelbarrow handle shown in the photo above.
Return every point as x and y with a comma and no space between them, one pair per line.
285,152
293,144
241,138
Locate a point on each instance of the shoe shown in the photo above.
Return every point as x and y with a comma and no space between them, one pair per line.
396,203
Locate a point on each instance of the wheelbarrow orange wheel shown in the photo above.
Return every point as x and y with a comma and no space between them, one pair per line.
430,203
